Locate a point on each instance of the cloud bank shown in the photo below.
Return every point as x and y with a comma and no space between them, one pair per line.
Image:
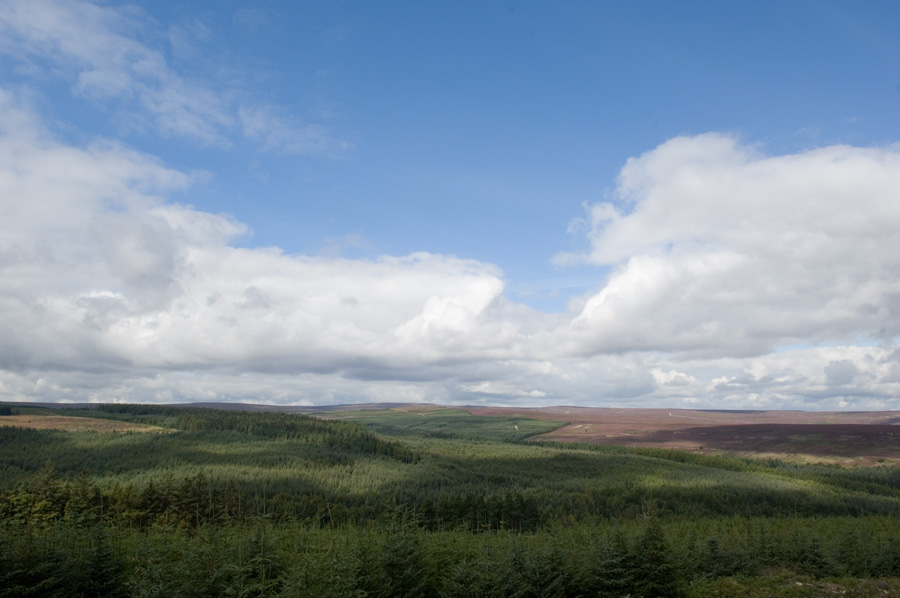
738,280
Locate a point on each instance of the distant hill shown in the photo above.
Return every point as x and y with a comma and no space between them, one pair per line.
846,438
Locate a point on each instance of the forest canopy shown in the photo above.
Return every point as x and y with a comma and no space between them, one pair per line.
278,501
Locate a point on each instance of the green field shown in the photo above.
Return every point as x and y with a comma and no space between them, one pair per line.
437,422
424,502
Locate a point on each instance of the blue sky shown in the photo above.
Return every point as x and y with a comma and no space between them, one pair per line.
642,203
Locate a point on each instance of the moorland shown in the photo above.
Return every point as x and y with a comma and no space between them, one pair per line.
139,500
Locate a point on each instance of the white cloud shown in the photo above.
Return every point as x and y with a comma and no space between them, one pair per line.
108,291
815,378
100,272
721,250
97,49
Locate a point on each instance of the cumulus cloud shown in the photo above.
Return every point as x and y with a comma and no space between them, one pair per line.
97,49
100,272
719,249
739,280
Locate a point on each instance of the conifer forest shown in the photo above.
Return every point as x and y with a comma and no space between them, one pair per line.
201,502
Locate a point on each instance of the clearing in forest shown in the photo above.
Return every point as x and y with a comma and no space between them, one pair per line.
74,424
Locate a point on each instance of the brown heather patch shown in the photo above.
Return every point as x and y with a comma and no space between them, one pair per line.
844,438
74,424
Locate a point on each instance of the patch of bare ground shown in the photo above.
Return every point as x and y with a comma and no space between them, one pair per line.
846,438
74,424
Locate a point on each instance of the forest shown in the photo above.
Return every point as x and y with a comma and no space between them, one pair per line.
212,502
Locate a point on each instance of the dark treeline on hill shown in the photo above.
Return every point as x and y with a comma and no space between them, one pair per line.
239,503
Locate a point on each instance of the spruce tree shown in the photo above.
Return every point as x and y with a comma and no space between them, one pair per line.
655,575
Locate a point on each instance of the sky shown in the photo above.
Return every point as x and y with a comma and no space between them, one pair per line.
635,204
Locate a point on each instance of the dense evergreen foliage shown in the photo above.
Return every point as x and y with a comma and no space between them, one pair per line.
239,503
345,436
